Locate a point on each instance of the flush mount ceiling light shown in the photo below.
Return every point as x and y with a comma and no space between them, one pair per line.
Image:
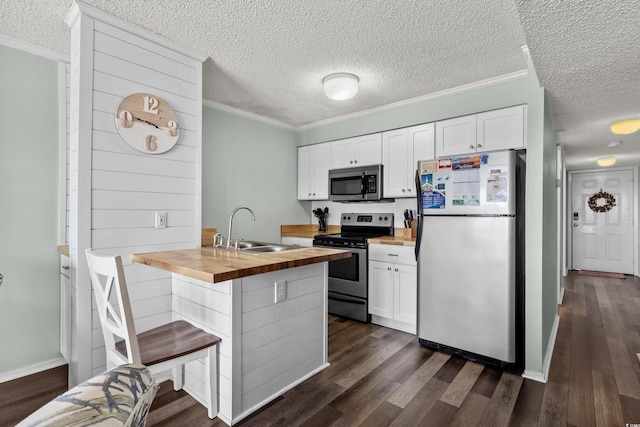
606,161
624,127
340,86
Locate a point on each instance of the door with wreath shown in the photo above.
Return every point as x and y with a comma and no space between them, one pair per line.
602,221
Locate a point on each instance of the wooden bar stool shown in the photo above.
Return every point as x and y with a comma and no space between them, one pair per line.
166,347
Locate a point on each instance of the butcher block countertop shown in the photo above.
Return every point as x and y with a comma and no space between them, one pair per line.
217,265
397,240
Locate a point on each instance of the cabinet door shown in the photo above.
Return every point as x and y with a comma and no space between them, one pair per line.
304,176
65,307
501,129
342,153
368,149
421,146
405,298
395,157
381,289
456,136
320,158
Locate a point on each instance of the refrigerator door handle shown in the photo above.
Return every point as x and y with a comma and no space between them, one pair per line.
418,214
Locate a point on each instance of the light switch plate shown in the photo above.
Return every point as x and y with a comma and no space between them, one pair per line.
280,291
161,220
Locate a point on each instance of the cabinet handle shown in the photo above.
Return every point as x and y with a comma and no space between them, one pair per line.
355,161
396,269
314,194
350,162
471,147
479,145
392,254
389,268
403,190
65,267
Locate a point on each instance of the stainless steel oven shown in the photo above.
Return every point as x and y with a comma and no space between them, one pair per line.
348,278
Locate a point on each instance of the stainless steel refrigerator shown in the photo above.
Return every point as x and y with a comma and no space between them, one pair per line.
470,253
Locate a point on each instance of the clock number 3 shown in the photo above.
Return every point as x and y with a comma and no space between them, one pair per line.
173,128
150,105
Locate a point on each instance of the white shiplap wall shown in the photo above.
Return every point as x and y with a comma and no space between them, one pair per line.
116,190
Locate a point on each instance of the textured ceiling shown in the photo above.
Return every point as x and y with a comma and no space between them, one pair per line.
269,57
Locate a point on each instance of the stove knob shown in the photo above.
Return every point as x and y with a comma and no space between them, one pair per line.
386,218
380,219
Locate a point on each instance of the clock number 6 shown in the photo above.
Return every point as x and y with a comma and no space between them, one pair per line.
150,105
150,143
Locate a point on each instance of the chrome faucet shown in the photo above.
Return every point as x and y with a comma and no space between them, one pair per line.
253,217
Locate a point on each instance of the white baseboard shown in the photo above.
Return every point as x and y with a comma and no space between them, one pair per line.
543,376
33,369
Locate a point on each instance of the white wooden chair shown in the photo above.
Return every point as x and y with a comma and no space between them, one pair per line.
166,347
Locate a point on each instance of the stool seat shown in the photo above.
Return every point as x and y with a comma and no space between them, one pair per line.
169,341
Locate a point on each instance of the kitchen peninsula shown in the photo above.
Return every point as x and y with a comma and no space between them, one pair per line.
270,309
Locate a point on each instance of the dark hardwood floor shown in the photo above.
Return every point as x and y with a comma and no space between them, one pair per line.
382,377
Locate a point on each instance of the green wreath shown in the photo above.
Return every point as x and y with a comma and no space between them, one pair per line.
596,202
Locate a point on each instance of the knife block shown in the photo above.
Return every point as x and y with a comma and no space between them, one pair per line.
410,232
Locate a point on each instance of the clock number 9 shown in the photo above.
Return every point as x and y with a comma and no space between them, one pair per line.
150,105
150,143
173,128
126,119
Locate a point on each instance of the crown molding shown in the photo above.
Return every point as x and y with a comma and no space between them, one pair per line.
33,49
443,93
79,8
253,116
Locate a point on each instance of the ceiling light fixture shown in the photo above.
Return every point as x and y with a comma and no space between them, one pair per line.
624,127
614,143
340,86
606,161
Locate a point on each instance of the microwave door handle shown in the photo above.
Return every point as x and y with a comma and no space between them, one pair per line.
362,185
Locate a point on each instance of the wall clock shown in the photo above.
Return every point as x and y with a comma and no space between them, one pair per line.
147,123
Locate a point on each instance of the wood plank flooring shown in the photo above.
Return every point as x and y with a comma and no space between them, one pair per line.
382,377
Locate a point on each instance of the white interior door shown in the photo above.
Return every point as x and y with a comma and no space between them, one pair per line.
603,241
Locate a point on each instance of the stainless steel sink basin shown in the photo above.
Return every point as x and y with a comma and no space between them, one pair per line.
261,247
269,248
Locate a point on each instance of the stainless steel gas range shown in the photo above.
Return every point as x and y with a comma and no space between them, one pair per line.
348,278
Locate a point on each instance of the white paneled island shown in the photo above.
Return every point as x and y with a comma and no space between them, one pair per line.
267,347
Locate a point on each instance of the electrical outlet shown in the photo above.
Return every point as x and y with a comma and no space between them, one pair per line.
280,291
161,220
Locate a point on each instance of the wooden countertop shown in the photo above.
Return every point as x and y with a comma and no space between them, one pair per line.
64,250
306,230
401,237
397,240
217,265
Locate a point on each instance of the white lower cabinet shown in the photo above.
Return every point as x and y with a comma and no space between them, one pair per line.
65,307
393,287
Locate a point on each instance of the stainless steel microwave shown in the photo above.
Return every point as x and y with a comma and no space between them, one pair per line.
359,184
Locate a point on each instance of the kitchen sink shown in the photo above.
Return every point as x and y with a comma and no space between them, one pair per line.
268,248
261,247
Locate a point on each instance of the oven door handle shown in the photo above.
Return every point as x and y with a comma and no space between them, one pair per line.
362,185
352,301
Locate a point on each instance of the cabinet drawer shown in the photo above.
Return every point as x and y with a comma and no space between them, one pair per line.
65,266
393,254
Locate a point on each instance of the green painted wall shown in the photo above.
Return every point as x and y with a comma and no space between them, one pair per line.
490,97
29,296
541,250
251,163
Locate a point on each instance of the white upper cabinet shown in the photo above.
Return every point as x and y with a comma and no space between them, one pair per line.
401,150
500,129
358,151
456,136
493,130
313,172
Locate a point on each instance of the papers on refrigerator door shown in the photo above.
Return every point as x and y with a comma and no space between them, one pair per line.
432,185
497,185
466,180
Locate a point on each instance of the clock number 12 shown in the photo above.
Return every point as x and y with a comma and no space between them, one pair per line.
150,105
